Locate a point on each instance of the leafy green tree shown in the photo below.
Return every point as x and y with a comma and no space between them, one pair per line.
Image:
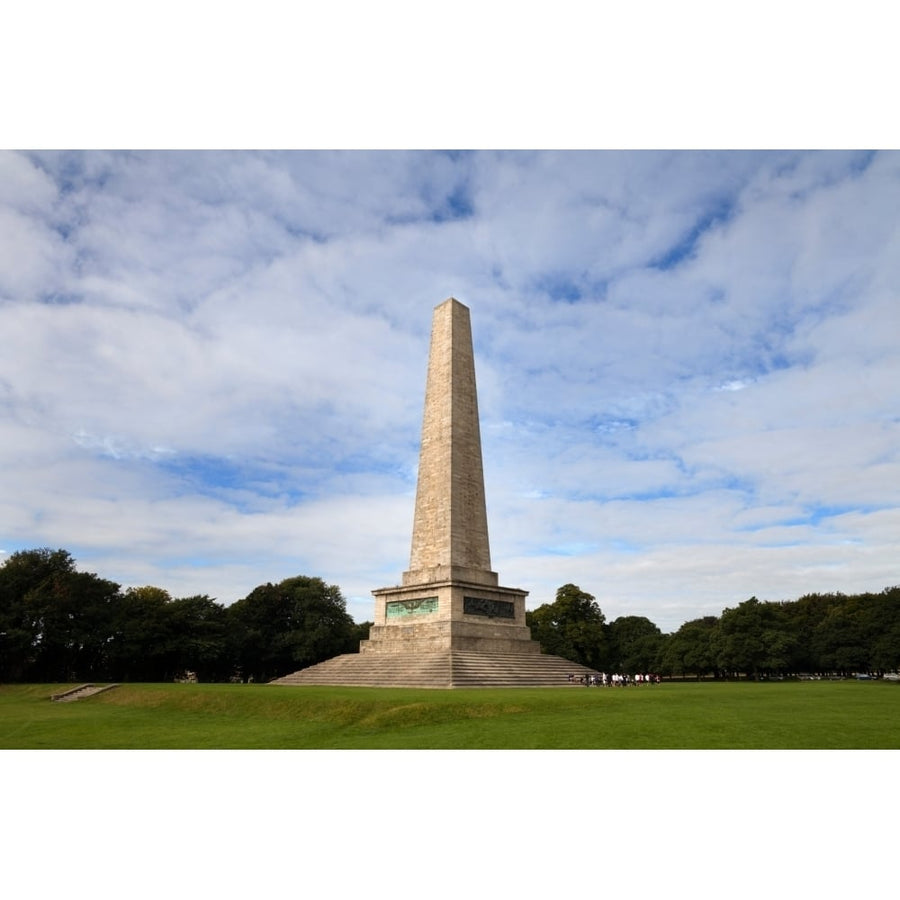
753,638
196,630
141,636
54,620
690,650
23,577
571,627
635,645
803,619
885,655
157,638
361,632
279,628
860,633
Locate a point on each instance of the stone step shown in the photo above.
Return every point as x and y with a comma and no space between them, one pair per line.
80,692
444,669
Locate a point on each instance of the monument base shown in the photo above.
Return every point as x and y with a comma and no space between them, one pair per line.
442,669
428,617
446,634
436,636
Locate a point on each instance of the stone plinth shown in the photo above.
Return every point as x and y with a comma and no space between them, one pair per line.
450,615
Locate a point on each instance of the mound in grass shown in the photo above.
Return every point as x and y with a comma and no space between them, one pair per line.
787,715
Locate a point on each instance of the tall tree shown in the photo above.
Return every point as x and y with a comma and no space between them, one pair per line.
23,577
886,627
690,650
804,618
54,620
635,645
572,627
196,628
860,633
141,636
279,628
754,639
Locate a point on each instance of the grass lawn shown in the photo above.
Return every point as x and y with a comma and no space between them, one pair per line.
783,715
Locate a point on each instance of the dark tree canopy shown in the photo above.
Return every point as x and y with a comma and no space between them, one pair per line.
280,628
690,651
753,638
58,624
635,644
52,617
571,627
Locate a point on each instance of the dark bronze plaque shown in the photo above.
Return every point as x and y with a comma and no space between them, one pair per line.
493,609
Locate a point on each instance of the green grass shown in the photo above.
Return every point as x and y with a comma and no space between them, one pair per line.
786,715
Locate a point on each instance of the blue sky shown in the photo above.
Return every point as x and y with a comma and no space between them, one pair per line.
214,366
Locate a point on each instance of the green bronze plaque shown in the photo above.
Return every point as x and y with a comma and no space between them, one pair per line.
397,608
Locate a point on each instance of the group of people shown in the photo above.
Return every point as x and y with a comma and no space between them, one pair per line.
614,680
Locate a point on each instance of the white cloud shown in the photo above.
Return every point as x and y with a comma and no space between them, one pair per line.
214,365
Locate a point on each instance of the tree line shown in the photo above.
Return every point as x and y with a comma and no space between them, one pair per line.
817,634
61,625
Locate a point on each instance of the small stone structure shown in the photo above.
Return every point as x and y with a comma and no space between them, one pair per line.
81,691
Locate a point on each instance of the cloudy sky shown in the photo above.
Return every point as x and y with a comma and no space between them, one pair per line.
214,366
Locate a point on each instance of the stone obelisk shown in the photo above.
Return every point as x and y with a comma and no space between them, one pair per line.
449,598
449,623
450,533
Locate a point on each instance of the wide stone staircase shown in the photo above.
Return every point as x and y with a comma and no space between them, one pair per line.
443,669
